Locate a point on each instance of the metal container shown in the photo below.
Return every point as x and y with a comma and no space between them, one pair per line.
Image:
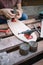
33,46
24,49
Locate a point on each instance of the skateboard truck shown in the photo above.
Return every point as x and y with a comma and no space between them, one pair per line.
27,32
30,31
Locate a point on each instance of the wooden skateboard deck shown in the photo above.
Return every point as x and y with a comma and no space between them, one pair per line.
18,27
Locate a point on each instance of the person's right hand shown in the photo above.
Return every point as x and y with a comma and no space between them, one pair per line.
7,12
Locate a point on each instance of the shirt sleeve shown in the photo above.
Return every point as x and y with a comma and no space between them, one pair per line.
1,5
18,1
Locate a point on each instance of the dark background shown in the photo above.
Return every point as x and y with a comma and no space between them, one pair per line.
32,2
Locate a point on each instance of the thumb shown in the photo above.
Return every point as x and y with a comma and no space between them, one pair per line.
11,10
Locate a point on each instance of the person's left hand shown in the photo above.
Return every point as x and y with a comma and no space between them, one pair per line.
19,14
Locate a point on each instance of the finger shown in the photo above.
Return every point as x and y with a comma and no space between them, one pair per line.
8,16
18,17
11,14
18,11
11,9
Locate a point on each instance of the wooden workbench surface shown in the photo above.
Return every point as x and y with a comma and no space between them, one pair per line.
9,41
16,58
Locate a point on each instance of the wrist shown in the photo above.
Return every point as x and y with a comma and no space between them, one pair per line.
21,10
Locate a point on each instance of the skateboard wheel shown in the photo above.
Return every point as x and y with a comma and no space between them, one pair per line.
24,49
13,20
33,46
28,36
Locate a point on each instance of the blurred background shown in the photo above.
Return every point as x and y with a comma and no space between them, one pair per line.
32,7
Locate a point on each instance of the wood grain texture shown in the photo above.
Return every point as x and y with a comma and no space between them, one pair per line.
16,58
12,40
9,43
39,62
5,26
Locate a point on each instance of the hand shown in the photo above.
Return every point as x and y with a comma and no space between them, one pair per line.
19,14
7,13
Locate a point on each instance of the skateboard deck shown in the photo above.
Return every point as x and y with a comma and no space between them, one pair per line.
18,27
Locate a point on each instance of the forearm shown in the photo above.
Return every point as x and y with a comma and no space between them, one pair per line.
19,7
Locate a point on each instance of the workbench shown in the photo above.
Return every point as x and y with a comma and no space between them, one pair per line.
10,44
